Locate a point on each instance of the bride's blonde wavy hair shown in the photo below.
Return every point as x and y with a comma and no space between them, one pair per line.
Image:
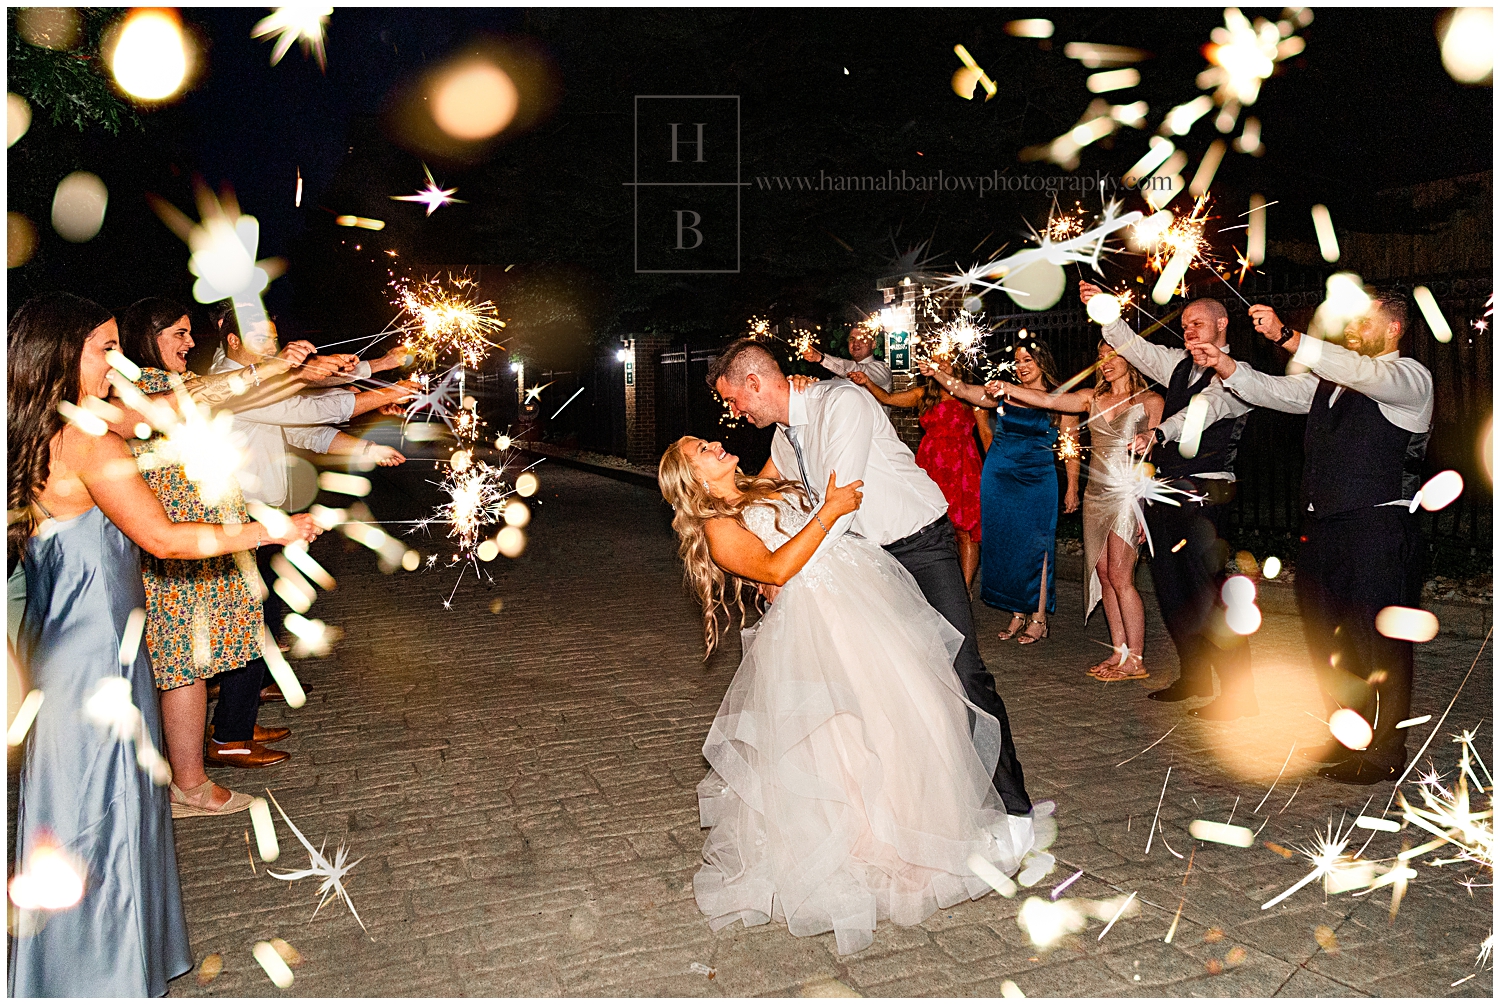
721,593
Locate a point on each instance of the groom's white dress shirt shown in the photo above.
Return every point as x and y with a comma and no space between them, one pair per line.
841,429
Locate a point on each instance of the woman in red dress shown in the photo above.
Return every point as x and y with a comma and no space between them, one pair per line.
947,453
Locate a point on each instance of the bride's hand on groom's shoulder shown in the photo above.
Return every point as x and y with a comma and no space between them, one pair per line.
839,500
801,382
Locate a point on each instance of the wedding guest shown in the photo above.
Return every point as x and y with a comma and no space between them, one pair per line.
306,420
1019,494
948,453
80,515
1369,415
862,349
1119,407
1187,565
203,618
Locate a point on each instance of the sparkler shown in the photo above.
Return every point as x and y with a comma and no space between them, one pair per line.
1327,857
445,320
297,22
1139,487
1243,55
332,873
434,196
1085,247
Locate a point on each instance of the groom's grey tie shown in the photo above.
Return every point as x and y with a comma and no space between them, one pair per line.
791,434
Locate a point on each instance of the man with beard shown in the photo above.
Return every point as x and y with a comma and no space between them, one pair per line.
1369,413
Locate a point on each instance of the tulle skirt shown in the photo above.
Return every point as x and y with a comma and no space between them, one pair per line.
851,777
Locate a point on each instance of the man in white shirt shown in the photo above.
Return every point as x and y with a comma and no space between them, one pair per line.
862,348
835,427
1369,414
1187,575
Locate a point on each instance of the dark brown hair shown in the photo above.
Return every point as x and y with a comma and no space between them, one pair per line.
44,346
142,322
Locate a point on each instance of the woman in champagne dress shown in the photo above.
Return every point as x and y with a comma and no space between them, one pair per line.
1119,406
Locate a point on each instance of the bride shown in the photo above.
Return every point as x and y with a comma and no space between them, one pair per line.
846,781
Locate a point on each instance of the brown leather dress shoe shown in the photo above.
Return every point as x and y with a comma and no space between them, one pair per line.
270,734
272,692
243,755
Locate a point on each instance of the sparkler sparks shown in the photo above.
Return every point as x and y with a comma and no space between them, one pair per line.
1084,248
1327,857
297,22
1243,55
434,196
332,873
444,319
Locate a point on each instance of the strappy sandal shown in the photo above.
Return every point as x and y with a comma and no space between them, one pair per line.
1017,622
1102,666
1132,668
183,806
1027,638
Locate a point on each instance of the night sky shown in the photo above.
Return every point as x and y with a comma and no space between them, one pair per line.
1366,107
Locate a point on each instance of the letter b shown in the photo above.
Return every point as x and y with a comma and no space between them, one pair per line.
681,227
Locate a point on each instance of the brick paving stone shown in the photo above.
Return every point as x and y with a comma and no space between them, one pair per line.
520,787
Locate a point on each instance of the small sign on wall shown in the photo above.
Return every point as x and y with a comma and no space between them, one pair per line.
630,373
898,352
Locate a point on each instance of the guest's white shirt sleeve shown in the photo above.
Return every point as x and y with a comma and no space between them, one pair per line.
1155,361
361,372
328,408
878,372
1221,405
315,438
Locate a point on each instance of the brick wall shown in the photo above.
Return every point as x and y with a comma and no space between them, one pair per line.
905,419
640,400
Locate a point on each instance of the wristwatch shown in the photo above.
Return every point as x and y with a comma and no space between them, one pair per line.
1286,334
1160,439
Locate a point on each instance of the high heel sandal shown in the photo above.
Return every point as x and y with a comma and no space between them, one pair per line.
1017,622
1027,638
1131,668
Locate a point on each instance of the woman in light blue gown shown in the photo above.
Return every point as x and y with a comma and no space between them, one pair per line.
92,791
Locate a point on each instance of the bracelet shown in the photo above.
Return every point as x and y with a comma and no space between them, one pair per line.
254,376
819,518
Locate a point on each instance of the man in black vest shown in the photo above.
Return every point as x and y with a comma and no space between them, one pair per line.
1190,553
1369,413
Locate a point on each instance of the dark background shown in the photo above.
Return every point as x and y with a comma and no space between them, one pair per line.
1366,107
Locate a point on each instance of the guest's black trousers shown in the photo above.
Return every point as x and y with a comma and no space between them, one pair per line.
931,556
1350,566
1187,570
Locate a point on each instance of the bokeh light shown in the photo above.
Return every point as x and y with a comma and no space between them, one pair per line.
78,206
1409,624
1468,44
150,57
1036,286
517,513
527,484
17,118
20,240
49,880
49,27
1441,489
1104,308
474,101
1350,728
511,541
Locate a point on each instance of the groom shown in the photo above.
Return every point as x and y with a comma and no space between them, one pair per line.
835,426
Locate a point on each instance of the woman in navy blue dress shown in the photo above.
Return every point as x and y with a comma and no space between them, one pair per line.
1019,495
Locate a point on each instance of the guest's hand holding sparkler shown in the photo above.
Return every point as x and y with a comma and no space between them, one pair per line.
318,368
294,353
1209,355
1263,316
1070,500
1086,291
971,393
393,360
812,355
1141,445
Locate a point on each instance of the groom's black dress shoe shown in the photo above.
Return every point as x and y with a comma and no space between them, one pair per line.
1358,771
1223,709
1179,690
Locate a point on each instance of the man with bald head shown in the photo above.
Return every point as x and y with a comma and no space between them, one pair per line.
1187,567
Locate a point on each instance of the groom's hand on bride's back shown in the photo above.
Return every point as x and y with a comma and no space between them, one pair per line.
839,500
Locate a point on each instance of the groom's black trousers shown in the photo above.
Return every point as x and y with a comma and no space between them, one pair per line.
931,556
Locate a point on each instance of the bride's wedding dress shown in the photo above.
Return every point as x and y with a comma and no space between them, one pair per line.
846,783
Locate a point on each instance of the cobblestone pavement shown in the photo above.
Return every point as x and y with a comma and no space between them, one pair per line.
518,788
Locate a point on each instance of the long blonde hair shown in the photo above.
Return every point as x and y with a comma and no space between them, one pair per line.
718,591
1134,382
